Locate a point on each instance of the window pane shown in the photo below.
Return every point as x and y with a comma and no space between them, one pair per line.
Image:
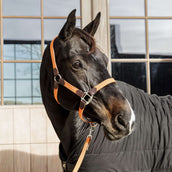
0,34
22,40
23,88
0,82
159,8
52,27
161,78
160,38
9,52
9,88
126,8
35,70
36,51
9,70
23,70
131,73
23,51
21,83
36,88
127,38
9,83
21,7
61,8
22,29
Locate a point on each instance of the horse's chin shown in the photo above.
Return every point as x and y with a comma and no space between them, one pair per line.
114,136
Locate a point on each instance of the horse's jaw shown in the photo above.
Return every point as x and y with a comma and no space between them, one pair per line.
114,135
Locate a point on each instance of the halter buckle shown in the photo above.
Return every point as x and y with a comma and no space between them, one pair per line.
86,98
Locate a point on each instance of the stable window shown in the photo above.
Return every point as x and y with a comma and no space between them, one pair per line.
26,27
137,41
141,44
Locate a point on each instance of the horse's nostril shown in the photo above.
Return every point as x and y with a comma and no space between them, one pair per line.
121,123
120,120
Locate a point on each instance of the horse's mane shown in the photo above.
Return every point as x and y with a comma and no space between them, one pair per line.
87,38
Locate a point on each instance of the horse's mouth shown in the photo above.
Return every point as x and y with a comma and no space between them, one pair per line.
113,136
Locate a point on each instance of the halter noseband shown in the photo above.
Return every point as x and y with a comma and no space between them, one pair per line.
86,97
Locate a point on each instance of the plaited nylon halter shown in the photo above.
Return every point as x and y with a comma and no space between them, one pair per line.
86,97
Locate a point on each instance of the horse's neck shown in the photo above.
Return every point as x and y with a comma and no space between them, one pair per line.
72,131
67,125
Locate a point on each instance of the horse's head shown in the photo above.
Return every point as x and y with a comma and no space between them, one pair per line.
83,65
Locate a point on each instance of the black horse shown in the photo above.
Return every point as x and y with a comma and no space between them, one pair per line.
83,65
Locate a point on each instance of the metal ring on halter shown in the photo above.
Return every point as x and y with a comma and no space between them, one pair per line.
57,77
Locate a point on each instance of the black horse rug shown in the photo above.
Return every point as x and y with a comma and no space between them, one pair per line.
148,148
82,64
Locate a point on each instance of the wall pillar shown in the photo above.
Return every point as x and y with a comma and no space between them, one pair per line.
89,10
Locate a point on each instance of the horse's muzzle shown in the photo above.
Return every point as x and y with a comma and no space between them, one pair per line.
120,125
123,122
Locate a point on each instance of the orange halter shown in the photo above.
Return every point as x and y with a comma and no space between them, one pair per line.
86,97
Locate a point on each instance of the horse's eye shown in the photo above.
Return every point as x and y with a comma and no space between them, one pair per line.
77,65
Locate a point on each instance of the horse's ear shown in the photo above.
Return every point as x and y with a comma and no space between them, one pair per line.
66,31
91,28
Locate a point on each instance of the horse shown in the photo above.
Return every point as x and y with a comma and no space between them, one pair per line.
116,109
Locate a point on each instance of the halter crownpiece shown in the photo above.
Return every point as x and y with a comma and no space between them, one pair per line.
86,97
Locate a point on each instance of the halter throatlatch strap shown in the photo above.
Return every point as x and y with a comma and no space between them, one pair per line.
86,97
